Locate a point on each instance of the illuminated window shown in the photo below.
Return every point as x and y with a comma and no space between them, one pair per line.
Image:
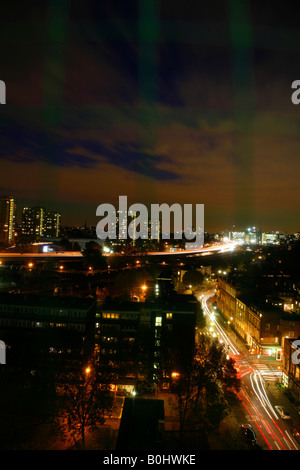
113,316
158,321
169,315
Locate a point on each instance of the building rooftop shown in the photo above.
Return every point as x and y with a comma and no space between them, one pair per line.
177,302
141,424
46,301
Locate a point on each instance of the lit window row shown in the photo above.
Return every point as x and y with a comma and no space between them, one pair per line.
110,315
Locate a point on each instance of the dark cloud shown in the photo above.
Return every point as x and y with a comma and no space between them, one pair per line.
189,101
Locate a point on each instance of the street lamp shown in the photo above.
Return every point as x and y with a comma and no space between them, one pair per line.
175,375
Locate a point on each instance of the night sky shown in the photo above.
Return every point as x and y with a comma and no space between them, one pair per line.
162,101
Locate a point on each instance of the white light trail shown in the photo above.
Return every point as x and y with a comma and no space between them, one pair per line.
219,329
258,388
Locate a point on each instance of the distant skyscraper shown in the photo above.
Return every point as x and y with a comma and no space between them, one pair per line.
32,222
51,224
154,229
122,225
38,222
8,207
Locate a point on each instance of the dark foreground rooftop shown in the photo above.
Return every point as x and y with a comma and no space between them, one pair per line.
142,424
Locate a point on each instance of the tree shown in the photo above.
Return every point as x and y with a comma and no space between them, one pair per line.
85,400
128,284
193,278
93,256
202,389
200,318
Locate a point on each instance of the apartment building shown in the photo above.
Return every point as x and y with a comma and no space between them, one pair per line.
46,325
147,340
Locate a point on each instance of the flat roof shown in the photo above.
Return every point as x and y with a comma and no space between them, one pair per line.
139,424
46,301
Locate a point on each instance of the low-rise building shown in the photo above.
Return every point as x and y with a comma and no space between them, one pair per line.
263,325
263,330
46,325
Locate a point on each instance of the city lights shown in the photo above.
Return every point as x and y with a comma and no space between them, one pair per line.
129,322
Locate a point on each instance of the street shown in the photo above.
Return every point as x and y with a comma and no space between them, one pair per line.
259,393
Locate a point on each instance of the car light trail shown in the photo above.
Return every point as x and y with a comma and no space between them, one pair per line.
219,329
292,440
278,439
274,436
258,388
263,435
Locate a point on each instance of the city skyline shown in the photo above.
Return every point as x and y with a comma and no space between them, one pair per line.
40,222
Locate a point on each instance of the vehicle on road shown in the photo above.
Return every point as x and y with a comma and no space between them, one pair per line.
296,433
282,412
250,436
256,445
248,432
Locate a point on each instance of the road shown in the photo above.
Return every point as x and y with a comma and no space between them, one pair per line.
258,394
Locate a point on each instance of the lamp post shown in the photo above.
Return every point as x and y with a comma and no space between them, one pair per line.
144,289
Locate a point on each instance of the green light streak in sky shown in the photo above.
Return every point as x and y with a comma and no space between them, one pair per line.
244,110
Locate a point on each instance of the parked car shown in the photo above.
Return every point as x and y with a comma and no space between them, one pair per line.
256,445
282,412
250,436
248,432
296,433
